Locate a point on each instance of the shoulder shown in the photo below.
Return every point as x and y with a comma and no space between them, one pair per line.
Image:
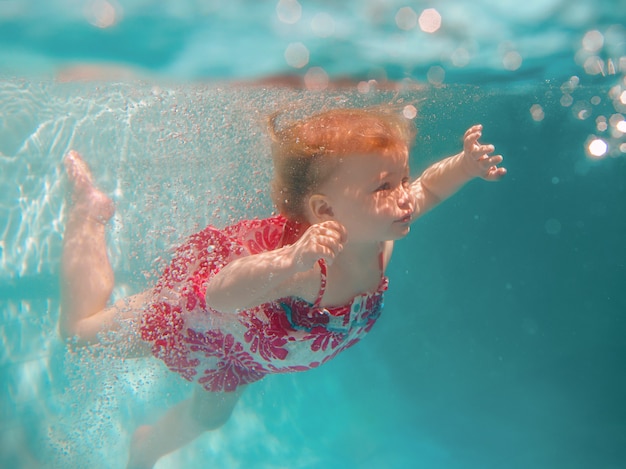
242,238
257,235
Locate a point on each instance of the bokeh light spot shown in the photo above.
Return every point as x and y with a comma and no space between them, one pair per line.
406,18
594,65
436,75
566,100
430,20
593,41
536,111
570,85
297,55
289,11
597,148
512,60
316,78
102,14
363,87
409,111
460,57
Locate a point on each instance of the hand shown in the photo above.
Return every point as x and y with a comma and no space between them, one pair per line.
320,241
476,159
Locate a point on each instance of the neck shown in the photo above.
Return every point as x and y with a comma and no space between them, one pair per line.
357,252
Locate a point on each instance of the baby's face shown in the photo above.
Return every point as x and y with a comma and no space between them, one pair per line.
369,195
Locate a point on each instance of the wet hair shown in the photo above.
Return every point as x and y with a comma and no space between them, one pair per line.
305,152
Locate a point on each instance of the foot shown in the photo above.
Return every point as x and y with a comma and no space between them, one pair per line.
89,201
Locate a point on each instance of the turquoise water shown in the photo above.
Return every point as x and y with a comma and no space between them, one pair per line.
502,340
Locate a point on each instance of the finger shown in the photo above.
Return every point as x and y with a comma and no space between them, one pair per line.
475,128
487,162
472,137
332,242
329,253
324,228
328,234
336,227
494,173
471,144
495,160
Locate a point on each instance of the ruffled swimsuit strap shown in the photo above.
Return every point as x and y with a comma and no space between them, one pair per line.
320,293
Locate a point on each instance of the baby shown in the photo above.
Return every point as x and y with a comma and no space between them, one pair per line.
282,294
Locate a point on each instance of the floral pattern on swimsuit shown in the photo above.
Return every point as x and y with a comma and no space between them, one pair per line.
223,351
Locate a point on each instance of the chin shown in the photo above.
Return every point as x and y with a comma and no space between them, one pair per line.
400,232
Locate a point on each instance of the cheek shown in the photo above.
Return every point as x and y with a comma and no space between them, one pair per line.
384,203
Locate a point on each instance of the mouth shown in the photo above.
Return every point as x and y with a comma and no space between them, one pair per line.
404,219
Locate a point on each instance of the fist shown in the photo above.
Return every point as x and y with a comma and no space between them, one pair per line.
320,241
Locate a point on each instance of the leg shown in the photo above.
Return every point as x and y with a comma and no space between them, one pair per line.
86,273
180,425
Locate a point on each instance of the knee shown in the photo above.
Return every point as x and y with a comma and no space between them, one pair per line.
208,421
72,334
67,332
212,411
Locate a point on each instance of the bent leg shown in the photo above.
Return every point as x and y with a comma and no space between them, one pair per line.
86,275
117,326
180,425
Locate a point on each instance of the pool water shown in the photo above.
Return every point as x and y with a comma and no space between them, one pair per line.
501,344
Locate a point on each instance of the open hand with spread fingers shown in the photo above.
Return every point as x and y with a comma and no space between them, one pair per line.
477,158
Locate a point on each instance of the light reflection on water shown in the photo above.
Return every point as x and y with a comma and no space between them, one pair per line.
373,39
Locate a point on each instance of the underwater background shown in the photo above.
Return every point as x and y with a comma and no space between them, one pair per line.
502,341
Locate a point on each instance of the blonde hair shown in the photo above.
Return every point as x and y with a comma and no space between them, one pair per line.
304,151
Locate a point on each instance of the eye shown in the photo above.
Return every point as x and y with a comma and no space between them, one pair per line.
385,186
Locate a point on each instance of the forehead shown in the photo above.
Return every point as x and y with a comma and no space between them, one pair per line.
374,164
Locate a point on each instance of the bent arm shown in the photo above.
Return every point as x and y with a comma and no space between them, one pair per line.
251,280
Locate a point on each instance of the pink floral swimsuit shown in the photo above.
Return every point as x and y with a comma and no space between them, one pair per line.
222,351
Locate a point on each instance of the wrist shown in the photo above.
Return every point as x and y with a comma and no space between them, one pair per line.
467,167
291,260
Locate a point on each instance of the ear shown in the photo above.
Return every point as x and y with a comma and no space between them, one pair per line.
320,208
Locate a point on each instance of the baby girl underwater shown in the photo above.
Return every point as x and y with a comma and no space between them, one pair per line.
281,294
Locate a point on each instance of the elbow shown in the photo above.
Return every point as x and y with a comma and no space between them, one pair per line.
219,301
215,302
425,199
221,306
430,196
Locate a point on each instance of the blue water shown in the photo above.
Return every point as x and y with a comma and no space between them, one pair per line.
502,340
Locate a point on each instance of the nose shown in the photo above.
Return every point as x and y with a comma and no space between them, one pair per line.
405,198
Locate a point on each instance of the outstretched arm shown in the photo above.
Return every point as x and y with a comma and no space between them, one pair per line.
444,178
252,280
